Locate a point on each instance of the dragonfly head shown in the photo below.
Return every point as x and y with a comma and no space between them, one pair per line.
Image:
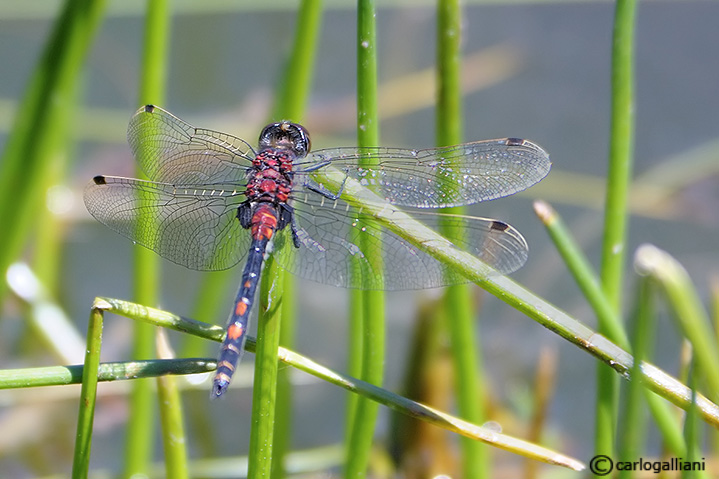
286,135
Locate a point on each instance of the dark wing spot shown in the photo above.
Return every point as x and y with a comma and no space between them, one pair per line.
149,108
99,180
499,226
514,141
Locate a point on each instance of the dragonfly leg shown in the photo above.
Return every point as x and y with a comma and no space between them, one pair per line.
287,217
295,236
320,189
317,166
244,214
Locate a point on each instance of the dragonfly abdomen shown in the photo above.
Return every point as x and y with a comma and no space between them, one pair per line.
262,226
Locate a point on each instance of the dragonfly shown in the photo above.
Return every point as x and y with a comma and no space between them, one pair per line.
212,200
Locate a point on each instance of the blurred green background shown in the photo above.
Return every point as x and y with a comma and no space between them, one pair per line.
533,70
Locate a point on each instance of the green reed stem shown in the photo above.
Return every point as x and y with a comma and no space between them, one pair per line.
586,279
291,100
264,391
465,347
583,273
686,305
88,396
296,81
505,288
633,423
172,426
620,152
364,412
367,390
615,216
210,306
139,441
692,431
116,371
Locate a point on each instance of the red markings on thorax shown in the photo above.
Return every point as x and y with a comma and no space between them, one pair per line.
269,186
271,181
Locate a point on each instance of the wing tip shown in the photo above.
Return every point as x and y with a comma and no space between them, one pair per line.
499,226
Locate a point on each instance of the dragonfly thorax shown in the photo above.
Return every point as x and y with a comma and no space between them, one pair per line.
271,180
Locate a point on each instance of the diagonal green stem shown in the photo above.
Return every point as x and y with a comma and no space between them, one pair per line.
500,286
587,281
365,389
510,292
583,274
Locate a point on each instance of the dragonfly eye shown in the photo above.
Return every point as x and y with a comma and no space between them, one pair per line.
286,135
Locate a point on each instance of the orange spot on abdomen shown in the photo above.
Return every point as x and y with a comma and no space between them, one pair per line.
234,331
240,308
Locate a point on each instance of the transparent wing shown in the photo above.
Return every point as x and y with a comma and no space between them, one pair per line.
440,177
195,226
335,249
172,151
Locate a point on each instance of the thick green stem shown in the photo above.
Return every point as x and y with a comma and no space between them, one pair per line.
291,99
264,393
370,314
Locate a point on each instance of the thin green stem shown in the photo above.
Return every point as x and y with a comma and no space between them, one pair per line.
296,82
582,272
615,215
209,305
361,424
117,371
465,347
620,152
692,431
291,99
173,428
48,243
88,396
146,273
512,293
633,423
365,389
